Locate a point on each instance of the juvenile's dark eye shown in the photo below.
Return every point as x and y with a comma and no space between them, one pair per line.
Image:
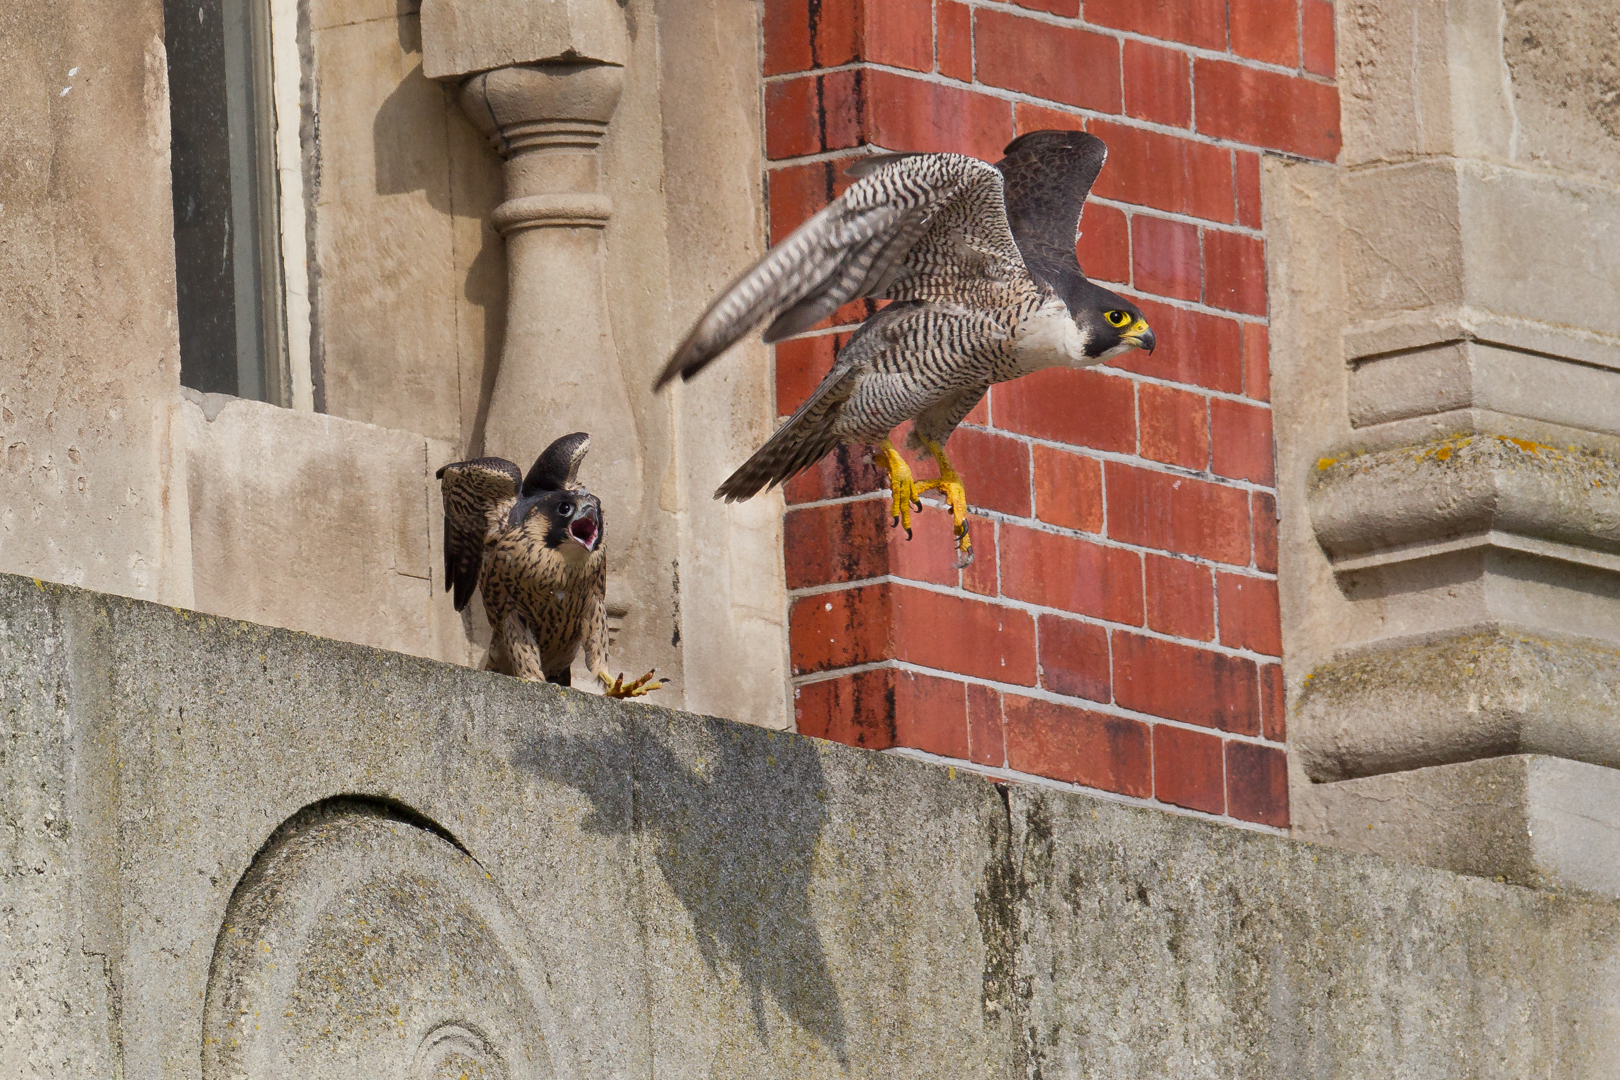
565,508
1117,318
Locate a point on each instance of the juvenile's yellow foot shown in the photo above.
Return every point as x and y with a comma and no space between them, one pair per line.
618,688
955,497
903,489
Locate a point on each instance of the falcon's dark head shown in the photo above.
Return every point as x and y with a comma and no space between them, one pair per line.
1109,324
552,507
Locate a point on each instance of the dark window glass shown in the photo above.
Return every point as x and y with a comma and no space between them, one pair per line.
225,223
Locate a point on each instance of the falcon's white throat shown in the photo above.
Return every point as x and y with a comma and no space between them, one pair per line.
1048,337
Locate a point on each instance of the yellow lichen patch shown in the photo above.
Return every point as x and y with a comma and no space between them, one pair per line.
1326,463
1524,444
1442,454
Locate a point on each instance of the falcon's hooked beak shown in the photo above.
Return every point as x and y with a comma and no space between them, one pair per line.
586,528
1140,335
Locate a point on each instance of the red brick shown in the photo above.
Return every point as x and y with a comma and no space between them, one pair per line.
801,364
1256,361
1068,490
987,739
1180,597
1316,36
1263,515
1177,513
967,637
841,629
982,575
1246,179
1193,347
1265,108
1273,702
847,471
1075,575
1075,67
1079,746
1173,426
1266,30
796,192
954,30
1165,172
1234,272
1041,118
1074,658
994,470
826,545
910,114
812,114
1164,257
1104,247
1081,408
1182,682
1241,438
884,708
1158,84
1257,783
979,415
1195,22
899,33
1187,769
1249,613
790,44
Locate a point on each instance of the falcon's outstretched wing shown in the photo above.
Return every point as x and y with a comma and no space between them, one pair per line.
477,494
1048,176
911,226
557,467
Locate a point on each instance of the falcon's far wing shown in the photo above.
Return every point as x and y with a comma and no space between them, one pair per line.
476,494
883,238
1048,176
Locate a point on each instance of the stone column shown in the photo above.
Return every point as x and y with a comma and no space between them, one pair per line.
1453,603
544,83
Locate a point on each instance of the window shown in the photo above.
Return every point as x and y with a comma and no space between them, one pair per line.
229,264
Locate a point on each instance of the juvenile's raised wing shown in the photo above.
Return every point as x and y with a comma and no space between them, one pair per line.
477,494
912,226
1048,176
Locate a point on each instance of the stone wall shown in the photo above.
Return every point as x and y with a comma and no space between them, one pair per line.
231,850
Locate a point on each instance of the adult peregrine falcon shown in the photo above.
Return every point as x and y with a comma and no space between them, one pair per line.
979,262
534,543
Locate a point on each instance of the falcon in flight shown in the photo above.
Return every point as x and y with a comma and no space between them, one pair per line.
978,261
534,544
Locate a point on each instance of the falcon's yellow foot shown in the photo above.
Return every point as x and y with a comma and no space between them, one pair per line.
618,688
903,489
950,484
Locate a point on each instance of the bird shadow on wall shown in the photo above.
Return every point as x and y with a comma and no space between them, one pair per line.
734,830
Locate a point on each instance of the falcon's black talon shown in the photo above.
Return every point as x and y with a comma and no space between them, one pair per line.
895,524
916,504
908,532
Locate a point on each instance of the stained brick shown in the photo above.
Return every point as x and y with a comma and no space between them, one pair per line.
1158,84
847,471
1195,22
1164,257
1081,408
801,364
1075,575
915,115
1058,63
1256,361
796,192
1186,683
1246,179
1082,747
1273,702
1104,247
987,741
1177,513
1193,347
1074,658
954,31
812,114
1165,172
1266,30
1173,425
969,637
883,708
1263,515
1068,490
1187,769
1257,783
1234,272
1316,36
1241,437
826,545
994,470
841,629
1179,597
790,44
1266,108
899,33
1249,613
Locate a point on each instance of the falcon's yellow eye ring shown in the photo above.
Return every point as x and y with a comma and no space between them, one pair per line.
1118,319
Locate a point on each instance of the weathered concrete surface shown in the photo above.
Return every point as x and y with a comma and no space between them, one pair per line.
690,897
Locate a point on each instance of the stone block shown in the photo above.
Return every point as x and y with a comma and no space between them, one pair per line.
460,37
1530,819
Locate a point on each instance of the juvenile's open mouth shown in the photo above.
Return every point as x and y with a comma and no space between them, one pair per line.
584,530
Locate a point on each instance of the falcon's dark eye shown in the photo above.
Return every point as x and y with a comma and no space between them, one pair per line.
1118,318
565,508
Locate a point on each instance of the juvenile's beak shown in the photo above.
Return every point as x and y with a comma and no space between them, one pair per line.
1140,335
586,528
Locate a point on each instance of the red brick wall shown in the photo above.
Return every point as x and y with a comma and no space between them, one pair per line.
1119,629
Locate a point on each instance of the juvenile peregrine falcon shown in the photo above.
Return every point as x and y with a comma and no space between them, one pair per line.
979,262
535,544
